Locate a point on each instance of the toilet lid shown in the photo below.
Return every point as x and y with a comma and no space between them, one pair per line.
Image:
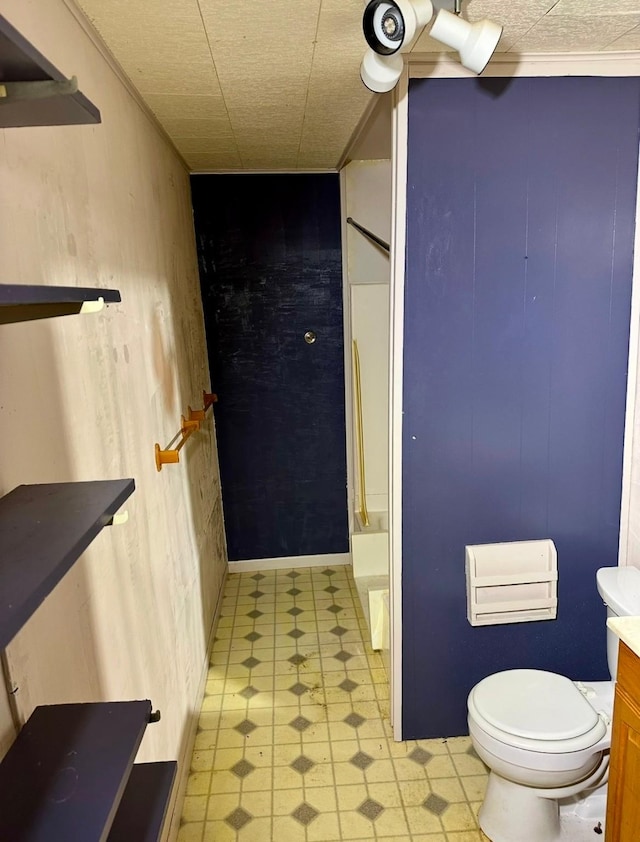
534,704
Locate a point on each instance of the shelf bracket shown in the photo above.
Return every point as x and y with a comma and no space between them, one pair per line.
20,91
119,519
92,306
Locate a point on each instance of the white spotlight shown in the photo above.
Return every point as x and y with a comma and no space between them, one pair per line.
381,73
475,42
390,28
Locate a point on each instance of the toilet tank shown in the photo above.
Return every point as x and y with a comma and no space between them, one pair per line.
619,588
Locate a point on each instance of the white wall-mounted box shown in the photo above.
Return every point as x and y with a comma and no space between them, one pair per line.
511,582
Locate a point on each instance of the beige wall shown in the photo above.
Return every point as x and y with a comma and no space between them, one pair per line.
86,397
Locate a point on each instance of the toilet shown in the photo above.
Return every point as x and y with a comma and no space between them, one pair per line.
546,739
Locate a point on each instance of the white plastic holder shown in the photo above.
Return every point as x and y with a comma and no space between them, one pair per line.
511,582
119,518
92,306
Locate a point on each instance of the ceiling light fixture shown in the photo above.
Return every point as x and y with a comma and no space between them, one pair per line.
391,27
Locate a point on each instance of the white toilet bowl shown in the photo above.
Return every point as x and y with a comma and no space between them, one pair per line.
544,738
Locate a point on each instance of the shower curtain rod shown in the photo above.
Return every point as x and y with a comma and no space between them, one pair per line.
368,234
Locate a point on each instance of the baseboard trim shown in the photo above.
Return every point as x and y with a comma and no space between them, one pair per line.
172,825
297,561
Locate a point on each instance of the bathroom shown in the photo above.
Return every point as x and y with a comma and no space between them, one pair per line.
139,365
510,495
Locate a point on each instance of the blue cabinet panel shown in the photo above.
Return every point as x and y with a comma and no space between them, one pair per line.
520,226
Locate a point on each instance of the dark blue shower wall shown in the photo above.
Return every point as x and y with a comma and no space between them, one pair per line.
520,228
269,249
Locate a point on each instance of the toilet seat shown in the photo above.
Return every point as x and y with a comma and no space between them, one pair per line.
536,711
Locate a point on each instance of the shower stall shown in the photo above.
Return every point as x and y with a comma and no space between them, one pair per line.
366,194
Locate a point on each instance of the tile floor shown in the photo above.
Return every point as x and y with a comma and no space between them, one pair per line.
294,742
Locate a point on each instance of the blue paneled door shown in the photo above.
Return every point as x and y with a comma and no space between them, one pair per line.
520,231
271,271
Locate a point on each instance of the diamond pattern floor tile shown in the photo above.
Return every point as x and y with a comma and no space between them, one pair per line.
305,814
249,692
370,809
250,663
300,723
354,720
361,760
420,756
238,818
293,740
242,768
302,764
435,804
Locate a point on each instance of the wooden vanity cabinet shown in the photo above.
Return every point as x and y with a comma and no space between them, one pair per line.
623,799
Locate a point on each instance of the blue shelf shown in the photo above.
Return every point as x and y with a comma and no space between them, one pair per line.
21,62
65,774
24,302
43,530
143,808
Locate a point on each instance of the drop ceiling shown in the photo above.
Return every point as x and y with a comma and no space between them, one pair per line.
275,84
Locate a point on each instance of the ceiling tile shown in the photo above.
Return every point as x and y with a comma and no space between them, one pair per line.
592,8
336,96
276,84
197,127
572,34
268,25
315,161
629,41
263,66
173,75
508,11
148,35
221,144
213,161
176,106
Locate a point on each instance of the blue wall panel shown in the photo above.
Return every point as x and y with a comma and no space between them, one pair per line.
520,225
269,249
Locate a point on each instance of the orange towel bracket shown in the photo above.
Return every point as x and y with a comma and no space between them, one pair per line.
188,426
165,457
196,414
170,455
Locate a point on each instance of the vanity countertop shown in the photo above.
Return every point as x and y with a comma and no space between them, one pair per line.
628,630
